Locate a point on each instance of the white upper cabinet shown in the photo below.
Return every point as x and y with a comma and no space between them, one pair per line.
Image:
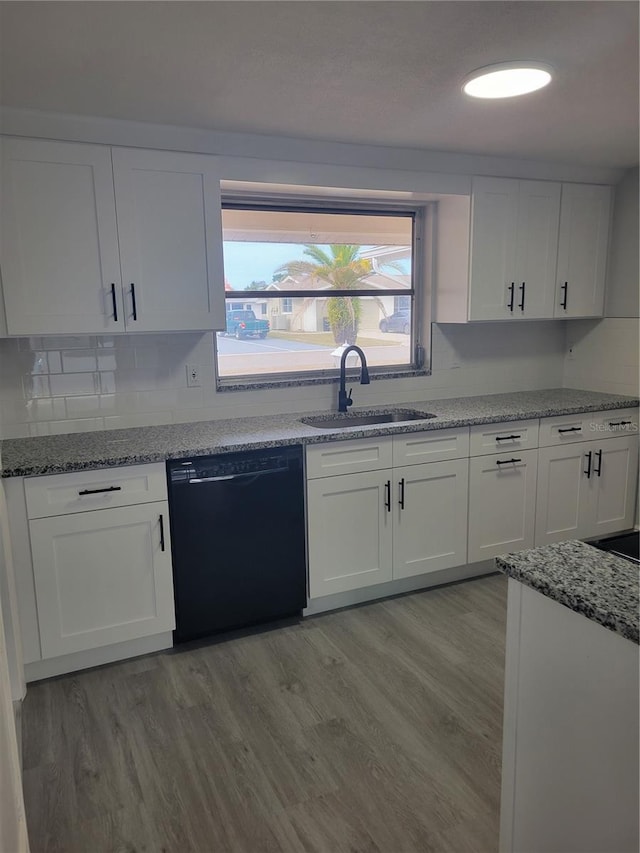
494,216
169,225
59,243
78,257
585,217
514,235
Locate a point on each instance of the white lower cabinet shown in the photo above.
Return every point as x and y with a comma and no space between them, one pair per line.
377,526
502,502
349,532
430,517
102,577
586,489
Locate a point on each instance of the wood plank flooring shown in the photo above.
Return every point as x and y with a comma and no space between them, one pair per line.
370,730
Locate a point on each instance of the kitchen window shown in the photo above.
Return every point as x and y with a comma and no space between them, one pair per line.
311,279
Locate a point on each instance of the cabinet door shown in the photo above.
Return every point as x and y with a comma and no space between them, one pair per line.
59,250
582,250
102,577
430,517
494,215
612,486
349,532
562,494
536,248
502,503
170,233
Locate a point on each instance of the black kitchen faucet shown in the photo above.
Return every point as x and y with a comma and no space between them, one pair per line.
344,399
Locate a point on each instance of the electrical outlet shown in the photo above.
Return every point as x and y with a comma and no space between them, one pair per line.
570,353
193,375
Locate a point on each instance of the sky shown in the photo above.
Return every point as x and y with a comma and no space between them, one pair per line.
245,262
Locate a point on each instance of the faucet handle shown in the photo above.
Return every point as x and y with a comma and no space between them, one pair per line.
349,401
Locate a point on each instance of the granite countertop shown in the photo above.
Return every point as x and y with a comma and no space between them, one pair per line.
78,451
599,585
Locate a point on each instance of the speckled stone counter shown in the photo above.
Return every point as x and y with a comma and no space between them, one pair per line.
78,451
601,586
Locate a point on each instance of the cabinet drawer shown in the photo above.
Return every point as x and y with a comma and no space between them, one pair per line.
349,457
430,446
565,429
495,438
590,426
612,423
61,494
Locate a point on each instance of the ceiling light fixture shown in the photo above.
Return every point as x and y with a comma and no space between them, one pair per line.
507,79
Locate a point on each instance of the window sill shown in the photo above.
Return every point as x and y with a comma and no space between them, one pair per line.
297,381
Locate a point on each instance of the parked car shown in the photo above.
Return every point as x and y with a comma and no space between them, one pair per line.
245,324
400,321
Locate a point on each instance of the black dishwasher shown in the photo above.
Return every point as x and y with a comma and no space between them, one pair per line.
237,539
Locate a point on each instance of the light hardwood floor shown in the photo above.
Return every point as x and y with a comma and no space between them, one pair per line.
374,729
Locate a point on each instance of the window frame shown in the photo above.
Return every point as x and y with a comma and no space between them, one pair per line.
419,214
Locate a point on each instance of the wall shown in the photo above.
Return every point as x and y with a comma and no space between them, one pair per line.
71,384
603,355
623,297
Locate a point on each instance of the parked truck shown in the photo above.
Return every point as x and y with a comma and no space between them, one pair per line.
245,324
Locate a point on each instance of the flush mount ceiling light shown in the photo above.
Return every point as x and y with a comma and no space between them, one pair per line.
507,79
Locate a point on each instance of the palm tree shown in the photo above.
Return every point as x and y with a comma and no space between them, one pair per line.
342,269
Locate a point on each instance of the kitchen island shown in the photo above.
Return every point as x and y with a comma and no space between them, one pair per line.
570,742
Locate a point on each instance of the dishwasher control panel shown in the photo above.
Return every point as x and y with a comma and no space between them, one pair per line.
231,465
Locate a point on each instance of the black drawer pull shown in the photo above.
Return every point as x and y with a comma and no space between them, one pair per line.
98,491
161,520
401,501
387,495
507,437
115,304
507,461
588,471
521,306
563,302
598,470
569,429
511,289
619,423
133,301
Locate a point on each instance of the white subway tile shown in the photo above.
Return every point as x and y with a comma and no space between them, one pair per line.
76,425
78,361
79,407
73,384
55,361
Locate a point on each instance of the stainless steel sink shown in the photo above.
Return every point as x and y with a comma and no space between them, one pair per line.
370,418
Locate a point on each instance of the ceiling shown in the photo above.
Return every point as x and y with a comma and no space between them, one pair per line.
383,73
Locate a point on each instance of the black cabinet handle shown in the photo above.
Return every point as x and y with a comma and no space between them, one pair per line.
521,306
133,301
598,470
401,501
507,437
507,461
619,423
569,429
588,471
98,491
511,289
161,520
563,301
387,495
114,303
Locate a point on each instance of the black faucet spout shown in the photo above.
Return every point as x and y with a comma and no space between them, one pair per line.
344,399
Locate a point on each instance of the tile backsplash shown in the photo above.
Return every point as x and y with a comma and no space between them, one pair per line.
603,355
75,384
